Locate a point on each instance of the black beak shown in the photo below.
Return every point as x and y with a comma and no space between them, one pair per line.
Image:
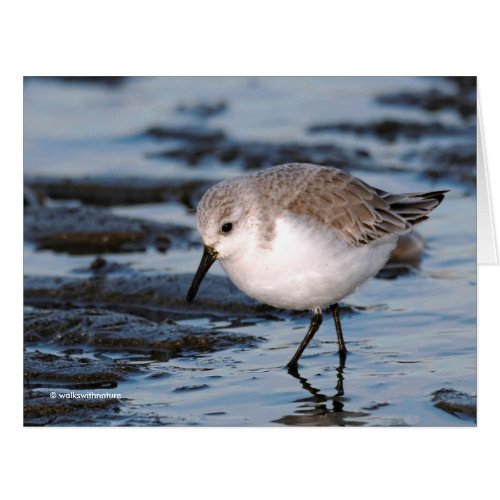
209,257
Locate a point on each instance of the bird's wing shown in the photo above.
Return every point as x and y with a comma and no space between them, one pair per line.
358,211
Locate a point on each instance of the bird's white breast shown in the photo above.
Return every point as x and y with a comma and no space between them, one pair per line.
306,266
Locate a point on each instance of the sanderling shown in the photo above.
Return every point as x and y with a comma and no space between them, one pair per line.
301,236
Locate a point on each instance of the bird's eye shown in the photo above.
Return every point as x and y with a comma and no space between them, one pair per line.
227,227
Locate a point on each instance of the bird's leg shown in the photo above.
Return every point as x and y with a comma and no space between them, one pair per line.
340,337
316,321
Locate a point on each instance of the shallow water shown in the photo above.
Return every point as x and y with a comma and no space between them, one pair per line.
410,337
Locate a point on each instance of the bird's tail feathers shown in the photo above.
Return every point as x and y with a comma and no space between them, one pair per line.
415,207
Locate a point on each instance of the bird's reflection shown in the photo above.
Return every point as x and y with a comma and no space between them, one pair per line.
317,410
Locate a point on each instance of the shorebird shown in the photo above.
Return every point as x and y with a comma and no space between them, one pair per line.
302,236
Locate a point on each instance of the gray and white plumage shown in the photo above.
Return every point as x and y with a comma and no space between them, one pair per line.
304,236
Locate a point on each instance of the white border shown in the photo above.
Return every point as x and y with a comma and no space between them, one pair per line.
223,37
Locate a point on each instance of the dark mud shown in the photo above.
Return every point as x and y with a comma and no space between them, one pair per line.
458,161
461,98
202,110
203,144
101,267
107,81
107,330
87,230
32,197
64,373
40,409
71,372
188,133
455,402
405,258
110,191
409,249
391,130
217,295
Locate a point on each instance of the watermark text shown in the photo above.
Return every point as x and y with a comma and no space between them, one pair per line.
84,395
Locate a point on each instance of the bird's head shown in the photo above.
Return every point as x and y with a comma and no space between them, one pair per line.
227,222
